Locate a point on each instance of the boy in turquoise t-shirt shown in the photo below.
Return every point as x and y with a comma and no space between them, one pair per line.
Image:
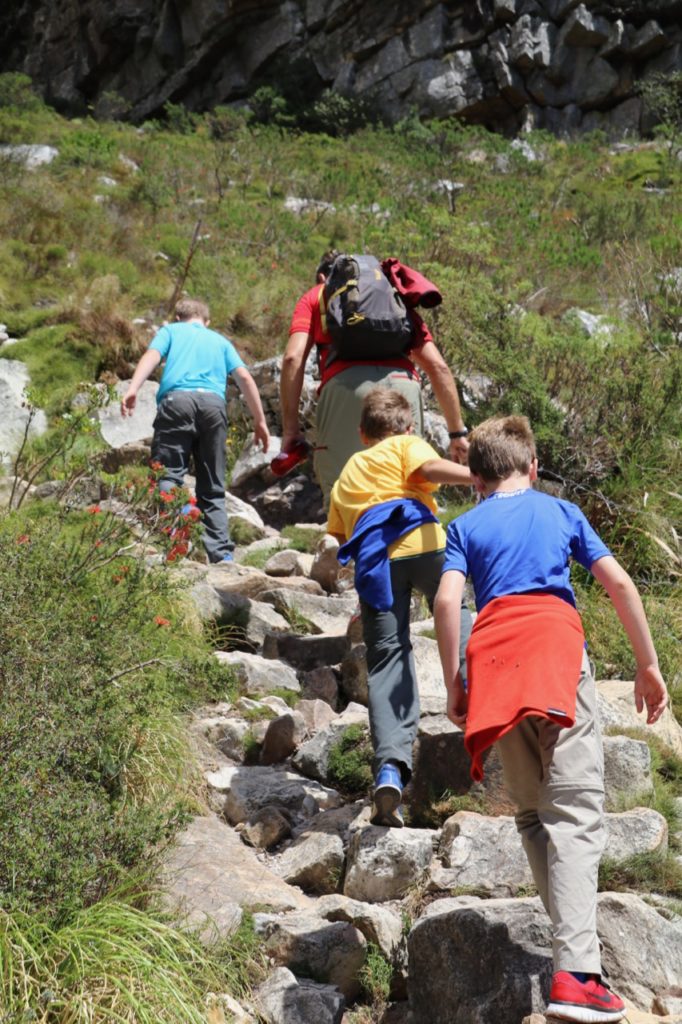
191,416
383,501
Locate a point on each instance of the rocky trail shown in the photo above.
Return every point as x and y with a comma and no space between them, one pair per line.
449,903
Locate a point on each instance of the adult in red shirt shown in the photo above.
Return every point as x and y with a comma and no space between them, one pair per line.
344,385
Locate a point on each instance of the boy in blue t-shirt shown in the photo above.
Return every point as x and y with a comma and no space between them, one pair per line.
191,415
530,687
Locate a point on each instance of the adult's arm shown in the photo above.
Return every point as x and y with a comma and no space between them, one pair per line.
249,390
441,471
428,358
291,385
146,366
649,685
446,615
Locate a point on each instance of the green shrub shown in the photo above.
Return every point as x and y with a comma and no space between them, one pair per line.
88,147
644,872
16,90
96,666
350,761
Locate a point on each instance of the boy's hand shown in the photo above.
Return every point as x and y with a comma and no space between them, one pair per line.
128,403
457,702
261,434
650,692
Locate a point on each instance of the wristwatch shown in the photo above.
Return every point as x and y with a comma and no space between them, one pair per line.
455,434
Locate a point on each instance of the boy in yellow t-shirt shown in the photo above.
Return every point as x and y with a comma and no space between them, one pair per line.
383,507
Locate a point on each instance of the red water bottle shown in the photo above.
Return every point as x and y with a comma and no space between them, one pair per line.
286,461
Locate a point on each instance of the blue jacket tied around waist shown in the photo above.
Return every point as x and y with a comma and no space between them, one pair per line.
374,532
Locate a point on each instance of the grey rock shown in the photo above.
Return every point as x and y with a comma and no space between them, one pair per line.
305,652
250,621
384,863
134,453
286,563
238,510
119,431
317,714
354,679
454,86
14,379
484,854
256,675
582,28
593,325
282,736
504,10
246,790
627,770
284,999
266,828
491,959
616,710
330,951
640,830
321,684
223,730
312,757
432,693
649,40
31,156
314,862
425,39
380,925
208,876
325,567
641,949
328,615
615,39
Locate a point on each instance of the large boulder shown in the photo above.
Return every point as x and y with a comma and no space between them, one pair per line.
17,415
209,875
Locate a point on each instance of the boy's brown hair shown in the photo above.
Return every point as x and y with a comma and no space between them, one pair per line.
500,446
187,309
385,412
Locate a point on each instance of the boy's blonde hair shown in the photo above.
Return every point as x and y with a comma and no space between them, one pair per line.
501,446
187,309
385,412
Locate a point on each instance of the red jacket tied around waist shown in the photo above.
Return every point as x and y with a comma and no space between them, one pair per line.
524,658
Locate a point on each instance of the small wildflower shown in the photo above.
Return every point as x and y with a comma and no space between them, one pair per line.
156,466
94,510
23,538
160,621
166,496
98,543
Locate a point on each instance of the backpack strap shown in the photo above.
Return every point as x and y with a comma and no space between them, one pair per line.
323,308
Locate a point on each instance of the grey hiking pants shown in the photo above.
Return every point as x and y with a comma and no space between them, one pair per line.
393,692
338,416
556,776
195,423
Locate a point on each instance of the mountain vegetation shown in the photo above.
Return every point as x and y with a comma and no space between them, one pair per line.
560,262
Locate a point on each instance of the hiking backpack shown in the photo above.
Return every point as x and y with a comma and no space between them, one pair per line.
361,310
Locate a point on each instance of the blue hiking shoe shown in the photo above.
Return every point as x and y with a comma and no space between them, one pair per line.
388,791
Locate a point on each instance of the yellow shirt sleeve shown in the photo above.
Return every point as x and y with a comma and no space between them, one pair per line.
335,523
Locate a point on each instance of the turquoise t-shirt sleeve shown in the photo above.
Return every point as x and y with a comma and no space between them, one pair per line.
455,556
232,358
586,544
161,341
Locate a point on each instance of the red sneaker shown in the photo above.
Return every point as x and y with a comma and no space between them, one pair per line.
589,1002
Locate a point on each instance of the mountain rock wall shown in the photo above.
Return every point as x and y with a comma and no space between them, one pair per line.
555,64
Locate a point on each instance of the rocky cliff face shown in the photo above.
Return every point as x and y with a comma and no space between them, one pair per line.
557,64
